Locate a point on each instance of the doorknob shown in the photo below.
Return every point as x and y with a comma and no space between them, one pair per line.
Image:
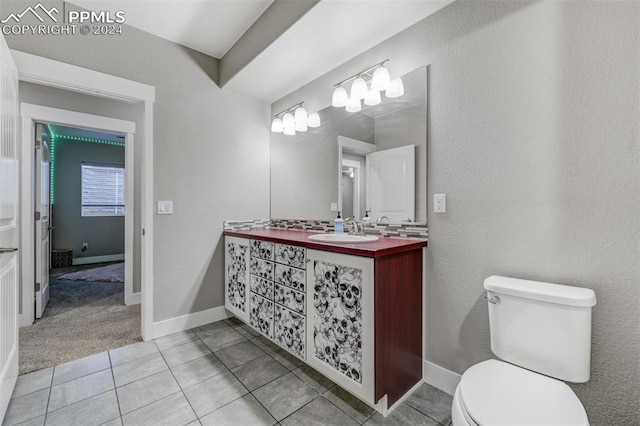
7,250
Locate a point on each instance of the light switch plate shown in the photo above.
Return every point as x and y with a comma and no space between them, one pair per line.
439,203
334,207
165,207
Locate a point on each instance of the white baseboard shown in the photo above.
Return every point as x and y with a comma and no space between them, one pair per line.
24,321
133,298
185,322
98,259
440,377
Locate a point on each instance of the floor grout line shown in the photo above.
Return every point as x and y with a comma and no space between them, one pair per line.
251,339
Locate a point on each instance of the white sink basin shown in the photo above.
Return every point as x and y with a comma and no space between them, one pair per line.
343,238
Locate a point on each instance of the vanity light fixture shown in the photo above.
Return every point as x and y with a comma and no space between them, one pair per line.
294,119
367,85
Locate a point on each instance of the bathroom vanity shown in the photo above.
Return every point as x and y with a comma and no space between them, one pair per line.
353,312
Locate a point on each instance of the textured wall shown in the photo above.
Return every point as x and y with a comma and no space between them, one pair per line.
211,153
533,135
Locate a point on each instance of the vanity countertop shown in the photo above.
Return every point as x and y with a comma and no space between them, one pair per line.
383,247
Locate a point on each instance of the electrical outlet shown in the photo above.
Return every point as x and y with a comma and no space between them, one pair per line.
85,246
334,207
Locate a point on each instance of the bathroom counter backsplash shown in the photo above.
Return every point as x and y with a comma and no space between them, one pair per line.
405,230
383,247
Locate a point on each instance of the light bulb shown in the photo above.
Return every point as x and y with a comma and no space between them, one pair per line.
372,98
313,120
276,125
396,88
358,89
288,120
289,130
300,116
339,98
353,105
380,79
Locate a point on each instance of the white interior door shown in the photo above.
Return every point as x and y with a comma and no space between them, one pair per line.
391,184
42,172
9,222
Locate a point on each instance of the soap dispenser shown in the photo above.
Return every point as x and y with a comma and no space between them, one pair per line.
366,218
338,225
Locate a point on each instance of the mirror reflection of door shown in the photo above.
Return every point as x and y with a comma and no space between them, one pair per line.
391,184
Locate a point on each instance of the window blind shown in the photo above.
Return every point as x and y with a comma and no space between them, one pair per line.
102,190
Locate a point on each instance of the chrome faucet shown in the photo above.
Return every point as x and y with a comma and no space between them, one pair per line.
383,218
358,228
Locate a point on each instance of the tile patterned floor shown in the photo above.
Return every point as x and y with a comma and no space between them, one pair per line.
219,374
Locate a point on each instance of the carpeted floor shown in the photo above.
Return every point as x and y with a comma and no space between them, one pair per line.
110,273
82,318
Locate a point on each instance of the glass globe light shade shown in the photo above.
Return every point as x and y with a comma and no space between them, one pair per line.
396,88
300,116
301,126
313,120
372,98
288,120
358,89
381,79
276,125
289,130
339,98
353,105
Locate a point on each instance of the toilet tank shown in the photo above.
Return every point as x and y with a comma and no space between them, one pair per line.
541,326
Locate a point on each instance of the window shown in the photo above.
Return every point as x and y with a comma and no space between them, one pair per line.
102,190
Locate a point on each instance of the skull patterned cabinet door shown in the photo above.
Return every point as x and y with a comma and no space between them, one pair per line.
340,320
236,276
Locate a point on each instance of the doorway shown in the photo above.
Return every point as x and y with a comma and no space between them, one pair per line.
83,195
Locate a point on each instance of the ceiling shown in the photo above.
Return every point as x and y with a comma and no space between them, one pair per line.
328,35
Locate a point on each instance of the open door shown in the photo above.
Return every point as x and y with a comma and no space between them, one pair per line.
42,173
9,225
391,184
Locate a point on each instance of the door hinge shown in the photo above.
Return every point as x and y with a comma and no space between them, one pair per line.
36,216
37,287
38,144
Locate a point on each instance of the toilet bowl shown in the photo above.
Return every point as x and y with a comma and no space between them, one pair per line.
494,393
542,334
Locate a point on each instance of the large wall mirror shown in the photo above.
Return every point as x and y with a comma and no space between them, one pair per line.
353,161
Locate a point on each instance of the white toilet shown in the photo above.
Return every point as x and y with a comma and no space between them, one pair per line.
543,332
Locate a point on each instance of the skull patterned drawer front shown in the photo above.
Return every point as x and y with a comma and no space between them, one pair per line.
261,286
290,298
291,277
289,330
262,268
262,249
290,255
261,314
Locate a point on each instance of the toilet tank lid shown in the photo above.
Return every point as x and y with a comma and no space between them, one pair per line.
537,290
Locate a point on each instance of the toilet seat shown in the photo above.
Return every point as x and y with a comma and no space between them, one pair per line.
497,393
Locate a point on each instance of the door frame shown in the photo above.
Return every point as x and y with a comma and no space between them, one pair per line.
47,72
350,146
31,115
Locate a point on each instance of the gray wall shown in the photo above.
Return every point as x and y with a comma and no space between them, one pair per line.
211,161
55,98
103,234
533,135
